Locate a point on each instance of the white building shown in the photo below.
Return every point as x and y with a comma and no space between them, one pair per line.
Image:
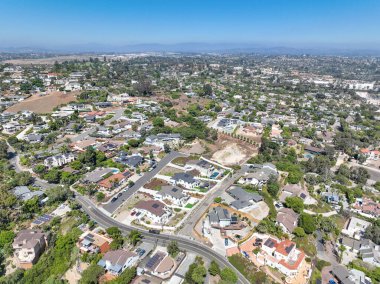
154,210
59,160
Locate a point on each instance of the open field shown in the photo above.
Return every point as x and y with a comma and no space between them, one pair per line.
43,104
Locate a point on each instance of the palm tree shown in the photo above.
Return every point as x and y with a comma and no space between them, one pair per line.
134,237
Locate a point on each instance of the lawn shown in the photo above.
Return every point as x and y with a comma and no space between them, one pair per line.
189,205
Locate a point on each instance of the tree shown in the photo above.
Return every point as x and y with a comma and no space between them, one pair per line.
113,232
299,232
307,223
3,150
295,203
207,90
134,237
228,275
6,238
272,186
199,274
58,194
166,148
91,274
133,143
39,169
214,268
158,122
218,199
373,232
53,176
359,175
100,196
173,248
125,277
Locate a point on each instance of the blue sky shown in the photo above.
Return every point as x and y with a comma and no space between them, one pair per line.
47,23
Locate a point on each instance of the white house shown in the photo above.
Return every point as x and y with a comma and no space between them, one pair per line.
174,194
154,210
59,160
116,261
185,179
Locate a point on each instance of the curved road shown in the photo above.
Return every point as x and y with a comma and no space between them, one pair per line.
187,244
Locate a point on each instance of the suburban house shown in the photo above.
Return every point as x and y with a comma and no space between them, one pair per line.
243,199
365,248
154,210
24,193
219,217
258,175
205,168
34,138
59,160
287,219
116,261
185,179
161,139
92,242
282,255
294,190
367,206
114,180
97,175
132,161
165,267
370,154
174,194
355,228
313,150
28,247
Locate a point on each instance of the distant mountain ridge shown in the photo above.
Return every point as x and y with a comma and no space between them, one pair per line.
193,47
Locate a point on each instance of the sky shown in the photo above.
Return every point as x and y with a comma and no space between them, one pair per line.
53,23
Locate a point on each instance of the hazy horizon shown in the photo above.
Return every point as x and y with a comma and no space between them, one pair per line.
69,25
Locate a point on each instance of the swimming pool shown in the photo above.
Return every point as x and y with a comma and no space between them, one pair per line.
214,175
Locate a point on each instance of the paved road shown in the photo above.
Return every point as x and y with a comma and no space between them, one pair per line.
324,252
15,162
112,206
187,230
162,239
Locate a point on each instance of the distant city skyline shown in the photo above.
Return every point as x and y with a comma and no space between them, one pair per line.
113,24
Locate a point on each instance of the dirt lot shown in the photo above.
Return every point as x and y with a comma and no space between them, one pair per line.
44,104
169,171
229,151
194,148
155,184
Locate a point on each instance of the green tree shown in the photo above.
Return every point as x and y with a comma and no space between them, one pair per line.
307,223
228,275
199,274
158,122
134,237
214,268
53,176
91,274
295,203
125,277
299,232
173,248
